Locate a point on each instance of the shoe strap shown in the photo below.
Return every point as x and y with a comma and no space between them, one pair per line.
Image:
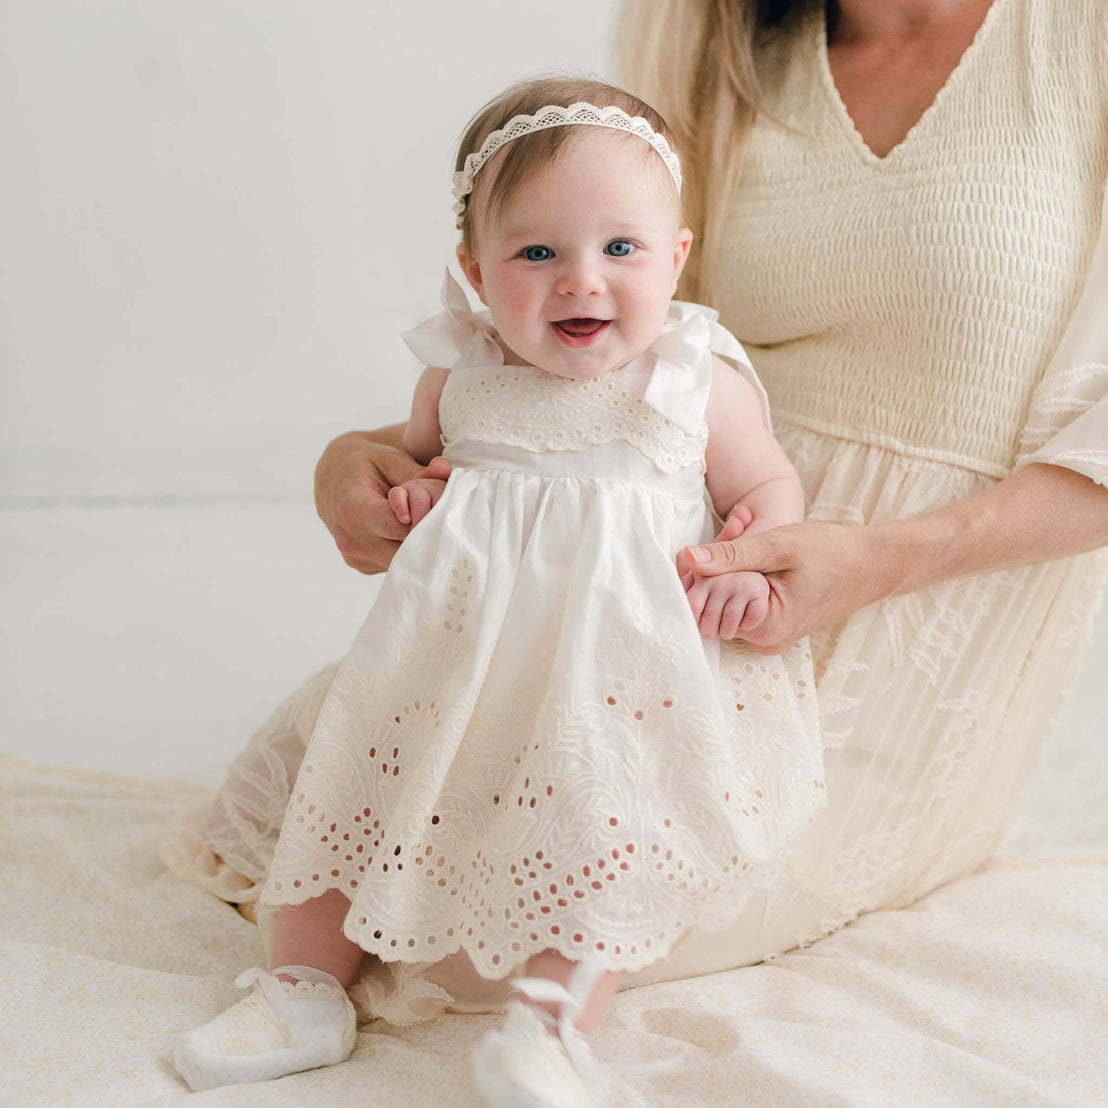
270,986
571,999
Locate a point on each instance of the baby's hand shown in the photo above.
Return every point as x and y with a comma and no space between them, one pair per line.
738,521
412,500
728,603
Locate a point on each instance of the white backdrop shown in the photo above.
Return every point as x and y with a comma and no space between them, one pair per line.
216,220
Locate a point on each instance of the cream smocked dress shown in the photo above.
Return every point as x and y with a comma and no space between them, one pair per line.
529,745
924,323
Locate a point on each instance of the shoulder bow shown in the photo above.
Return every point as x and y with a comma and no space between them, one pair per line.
456,333
682,376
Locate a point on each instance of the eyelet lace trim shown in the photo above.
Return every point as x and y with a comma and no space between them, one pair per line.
508,872
534,411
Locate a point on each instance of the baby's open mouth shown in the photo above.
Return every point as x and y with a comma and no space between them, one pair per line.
579,330
580,325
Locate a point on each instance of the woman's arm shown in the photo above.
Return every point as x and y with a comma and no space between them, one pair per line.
1054,504
1039,513
352,482
820,573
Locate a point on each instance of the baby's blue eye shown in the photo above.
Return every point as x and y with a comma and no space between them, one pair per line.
619,248
537,253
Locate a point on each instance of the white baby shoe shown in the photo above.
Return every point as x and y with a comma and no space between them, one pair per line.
522,1065
280,1028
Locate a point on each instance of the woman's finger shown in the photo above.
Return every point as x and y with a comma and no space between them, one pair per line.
438,469
396,466
762,553
371,560
369,534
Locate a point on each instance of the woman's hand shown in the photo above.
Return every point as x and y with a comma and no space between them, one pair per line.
352,483
818,574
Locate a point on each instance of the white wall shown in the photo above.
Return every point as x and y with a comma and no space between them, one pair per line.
217,218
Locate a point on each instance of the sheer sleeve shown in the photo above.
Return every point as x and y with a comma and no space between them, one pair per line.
1067,424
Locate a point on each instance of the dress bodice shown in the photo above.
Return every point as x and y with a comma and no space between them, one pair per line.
913,301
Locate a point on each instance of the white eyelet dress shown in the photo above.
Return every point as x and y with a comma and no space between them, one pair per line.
530,746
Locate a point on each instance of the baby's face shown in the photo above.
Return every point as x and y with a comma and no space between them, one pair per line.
579,269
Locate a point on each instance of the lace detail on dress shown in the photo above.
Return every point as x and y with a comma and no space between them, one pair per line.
1068,422
524,407
443,844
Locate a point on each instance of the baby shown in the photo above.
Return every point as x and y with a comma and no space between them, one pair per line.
545,747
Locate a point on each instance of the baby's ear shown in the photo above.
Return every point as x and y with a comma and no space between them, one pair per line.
681,253
472,269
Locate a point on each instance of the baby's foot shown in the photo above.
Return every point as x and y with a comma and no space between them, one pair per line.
539,1059
280,1028
523,1065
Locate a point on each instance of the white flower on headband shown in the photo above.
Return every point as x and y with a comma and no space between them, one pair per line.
554,115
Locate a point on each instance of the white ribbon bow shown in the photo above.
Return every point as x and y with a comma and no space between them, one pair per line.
456,332
460,336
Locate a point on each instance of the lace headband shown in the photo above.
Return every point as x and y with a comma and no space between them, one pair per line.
554,115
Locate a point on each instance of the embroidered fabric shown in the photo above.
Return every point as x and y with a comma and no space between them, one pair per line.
973,670
529,745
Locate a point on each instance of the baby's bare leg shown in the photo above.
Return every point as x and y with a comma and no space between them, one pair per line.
553,966
317,1026
310,934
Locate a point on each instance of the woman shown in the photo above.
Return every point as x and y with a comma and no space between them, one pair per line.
899,205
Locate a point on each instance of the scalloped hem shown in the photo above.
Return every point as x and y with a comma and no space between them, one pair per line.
494,964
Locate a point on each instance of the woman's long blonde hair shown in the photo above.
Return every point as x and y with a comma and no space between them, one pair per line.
693,60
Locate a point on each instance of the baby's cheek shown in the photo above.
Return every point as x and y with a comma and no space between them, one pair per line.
645,308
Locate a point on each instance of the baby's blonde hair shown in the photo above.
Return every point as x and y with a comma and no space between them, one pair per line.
521,157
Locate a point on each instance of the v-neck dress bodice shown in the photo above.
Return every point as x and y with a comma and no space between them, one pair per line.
913,301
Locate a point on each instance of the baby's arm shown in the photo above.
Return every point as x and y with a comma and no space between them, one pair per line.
754,487
422,438
746,465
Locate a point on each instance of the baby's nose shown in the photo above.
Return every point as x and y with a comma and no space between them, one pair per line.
580,280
